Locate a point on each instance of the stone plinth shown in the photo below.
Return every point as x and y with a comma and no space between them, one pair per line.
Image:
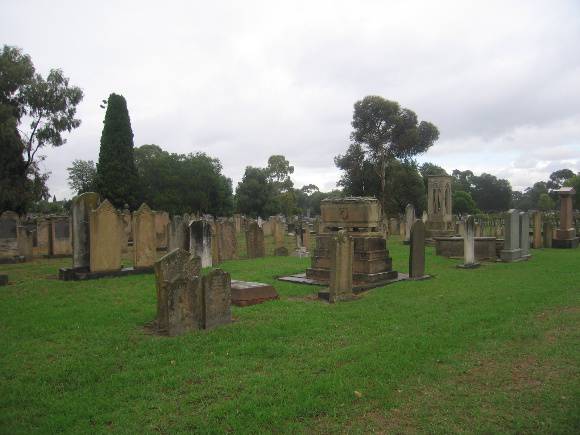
371,261
251,293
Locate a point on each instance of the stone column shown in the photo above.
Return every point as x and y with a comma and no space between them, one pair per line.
537,241
525,234
566,233
511,250
81,208
341,256
417,251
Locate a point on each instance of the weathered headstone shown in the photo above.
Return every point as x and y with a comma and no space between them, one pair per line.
417,250
537,240
217,298
179,293
127,230
81,208
105,238
238,223
200,237
161,219
227,241
281,251
279,234
43,236
255,241
9,222
409,220
60,240
306,237
525,235
341,257
511,250
469,245
547,236
178,234
25,236
145,240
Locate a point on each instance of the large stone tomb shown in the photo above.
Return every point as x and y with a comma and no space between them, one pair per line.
251,293
361,219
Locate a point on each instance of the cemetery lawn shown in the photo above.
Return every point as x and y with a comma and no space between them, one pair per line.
495,349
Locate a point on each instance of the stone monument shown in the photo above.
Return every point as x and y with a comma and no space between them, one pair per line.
566,233
361,219
439,206
341,258
511,249
81,208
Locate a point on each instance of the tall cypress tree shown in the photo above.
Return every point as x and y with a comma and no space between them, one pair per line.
117,178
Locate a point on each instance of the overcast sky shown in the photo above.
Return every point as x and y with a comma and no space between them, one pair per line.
243,80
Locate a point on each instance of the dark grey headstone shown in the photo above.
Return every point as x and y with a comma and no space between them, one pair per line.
417,250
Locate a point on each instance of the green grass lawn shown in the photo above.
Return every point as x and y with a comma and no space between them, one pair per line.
495,349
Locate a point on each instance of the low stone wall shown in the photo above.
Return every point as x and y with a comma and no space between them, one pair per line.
452,247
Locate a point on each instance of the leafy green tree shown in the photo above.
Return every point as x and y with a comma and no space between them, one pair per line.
463,203
575,183
359,177
545,203
50,107
183,183
255,195
117,178
462,181
558,178
490,193
82,175
279,170
389,132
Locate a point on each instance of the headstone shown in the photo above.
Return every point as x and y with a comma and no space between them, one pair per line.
60,240
469,244
281,251
393,226
9,222
161,219
402,229
200,241
341,257
566,233
227,241
417,250
537,240
43,236
279,234
25,237
179,293
217,298
105,238
255,241
177,234
81,209
409,219
306,237
525,234
425,216
238,223
127,229
511,250
547,236
145,240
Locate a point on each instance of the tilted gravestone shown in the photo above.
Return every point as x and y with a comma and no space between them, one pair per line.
417,251
105,238
200,241
144,238
255,241
179,293
81,208
217,295
341,257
